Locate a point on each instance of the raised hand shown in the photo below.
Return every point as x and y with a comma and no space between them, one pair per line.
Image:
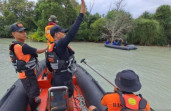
83,7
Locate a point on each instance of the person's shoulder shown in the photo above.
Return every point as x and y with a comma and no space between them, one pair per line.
28,47
25,45
110,94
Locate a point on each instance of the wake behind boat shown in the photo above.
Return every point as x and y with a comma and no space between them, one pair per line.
86,92
127,47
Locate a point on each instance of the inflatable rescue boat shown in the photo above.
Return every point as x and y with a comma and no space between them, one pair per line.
127,47
87,92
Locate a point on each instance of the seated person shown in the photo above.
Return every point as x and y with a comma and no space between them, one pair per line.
120,42
125,43
123,98
115,42
107,42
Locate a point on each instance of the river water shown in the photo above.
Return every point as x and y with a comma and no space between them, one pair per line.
152,64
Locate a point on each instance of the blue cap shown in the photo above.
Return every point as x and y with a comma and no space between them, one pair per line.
17,27
56,29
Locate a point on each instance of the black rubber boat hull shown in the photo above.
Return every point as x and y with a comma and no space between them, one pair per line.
128,47
15,98
90,88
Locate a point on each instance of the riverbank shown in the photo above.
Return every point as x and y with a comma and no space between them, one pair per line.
31,40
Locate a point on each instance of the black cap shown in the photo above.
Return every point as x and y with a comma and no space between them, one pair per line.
17,27
128,80
56,29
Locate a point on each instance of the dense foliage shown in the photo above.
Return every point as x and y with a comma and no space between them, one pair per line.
118,24
147,32
163,15
13,11
148,29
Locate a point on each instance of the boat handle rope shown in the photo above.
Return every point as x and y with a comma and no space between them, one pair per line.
83,61
83,107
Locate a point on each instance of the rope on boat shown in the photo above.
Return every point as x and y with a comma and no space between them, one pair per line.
81,101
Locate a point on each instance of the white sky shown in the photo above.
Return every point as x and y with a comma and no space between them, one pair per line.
135,7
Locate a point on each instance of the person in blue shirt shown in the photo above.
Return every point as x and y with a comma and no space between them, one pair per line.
107,41
115,42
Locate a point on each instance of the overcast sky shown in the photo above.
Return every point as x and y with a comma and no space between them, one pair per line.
135,7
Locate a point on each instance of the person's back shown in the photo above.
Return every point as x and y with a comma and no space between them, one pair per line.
115,42
47,34
52,21
113,102
119,42
106,42
123,97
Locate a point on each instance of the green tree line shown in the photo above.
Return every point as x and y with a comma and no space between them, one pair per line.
147,29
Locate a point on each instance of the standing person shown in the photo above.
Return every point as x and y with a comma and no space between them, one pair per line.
52,21
60,57
123,98
24,59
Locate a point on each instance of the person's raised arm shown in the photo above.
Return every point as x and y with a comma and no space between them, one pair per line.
83,7
41,50
71,34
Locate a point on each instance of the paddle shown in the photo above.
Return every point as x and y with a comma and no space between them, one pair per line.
83,61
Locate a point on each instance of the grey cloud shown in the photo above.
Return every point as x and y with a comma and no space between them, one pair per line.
135,7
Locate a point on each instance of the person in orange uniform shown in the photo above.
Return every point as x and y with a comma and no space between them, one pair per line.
24,60
52,21
123,98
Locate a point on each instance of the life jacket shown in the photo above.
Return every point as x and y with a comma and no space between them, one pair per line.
24,64
59,65
47,34
132,101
